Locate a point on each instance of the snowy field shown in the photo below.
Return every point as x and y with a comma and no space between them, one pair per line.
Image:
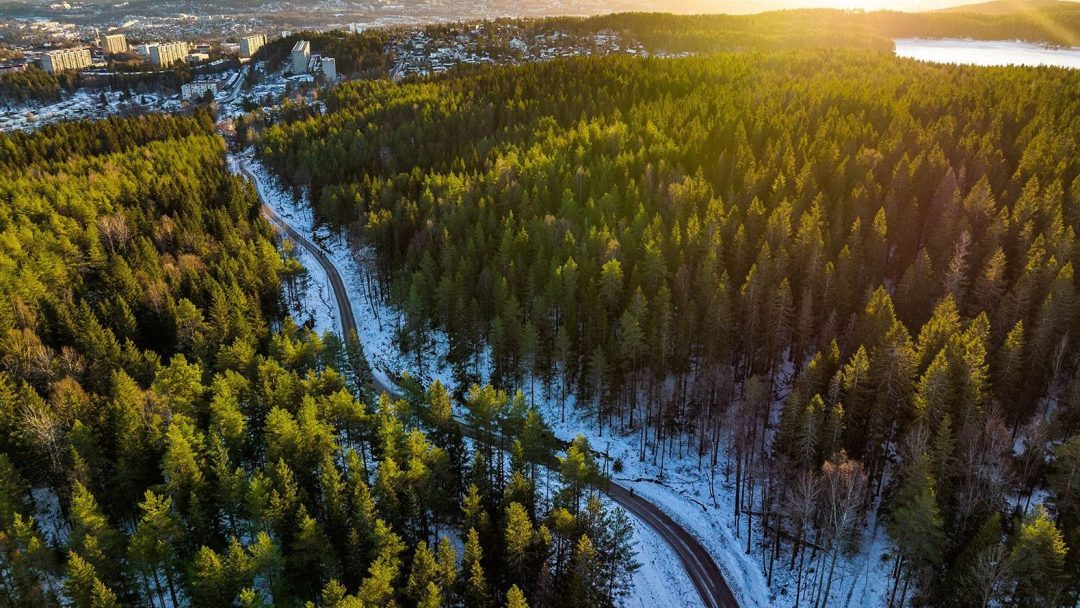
683,493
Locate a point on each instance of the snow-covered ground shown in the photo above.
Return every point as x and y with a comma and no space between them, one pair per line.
683,493
48,516
375,322
317,303
84,103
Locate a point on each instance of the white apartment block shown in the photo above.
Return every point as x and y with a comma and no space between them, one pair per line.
250,44
197,90
329,68
167,53
66,59
114,44
301,53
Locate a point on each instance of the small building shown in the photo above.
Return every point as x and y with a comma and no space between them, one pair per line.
63,60
197,89
301,53
329,68
197,58
250,44
114,44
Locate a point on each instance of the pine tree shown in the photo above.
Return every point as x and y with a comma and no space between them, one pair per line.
614,535
446,560
332,594
310,560
155,546
515,598
362,516
1038,559
474,583
264,560
92,537
379,586
586,586
361,369
182,468
210,581
916,524
432,597
13,490
424,572
83,588
519,537
578,470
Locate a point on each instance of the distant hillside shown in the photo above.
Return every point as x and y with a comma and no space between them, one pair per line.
837,28
1014,7
1046,21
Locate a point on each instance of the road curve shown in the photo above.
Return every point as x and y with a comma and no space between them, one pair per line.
696,561
699,565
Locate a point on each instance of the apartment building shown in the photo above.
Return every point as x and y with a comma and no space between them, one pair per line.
66,59
199,89
167,53
301,53
250,44
114,44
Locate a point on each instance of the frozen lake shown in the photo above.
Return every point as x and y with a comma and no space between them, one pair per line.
986,52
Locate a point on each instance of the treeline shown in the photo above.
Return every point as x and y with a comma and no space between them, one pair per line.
841,280
771,31
1057,24
34,84
1051,23
205,451
59,142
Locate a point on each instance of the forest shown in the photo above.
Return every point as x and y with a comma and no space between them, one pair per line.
34,84
168,437
844,281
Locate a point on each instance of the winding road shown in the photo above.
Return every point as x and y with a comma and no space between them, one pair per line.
699,565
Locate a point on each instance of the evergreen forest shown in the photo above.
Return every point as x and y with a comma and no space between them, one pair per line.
843,281
168,437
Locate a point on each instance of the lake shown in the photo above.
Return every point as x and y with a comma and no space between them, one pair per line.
986,52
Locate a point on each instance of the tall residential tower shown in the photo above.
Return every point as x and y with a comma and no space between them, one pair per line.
301,52
114,44
250,44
